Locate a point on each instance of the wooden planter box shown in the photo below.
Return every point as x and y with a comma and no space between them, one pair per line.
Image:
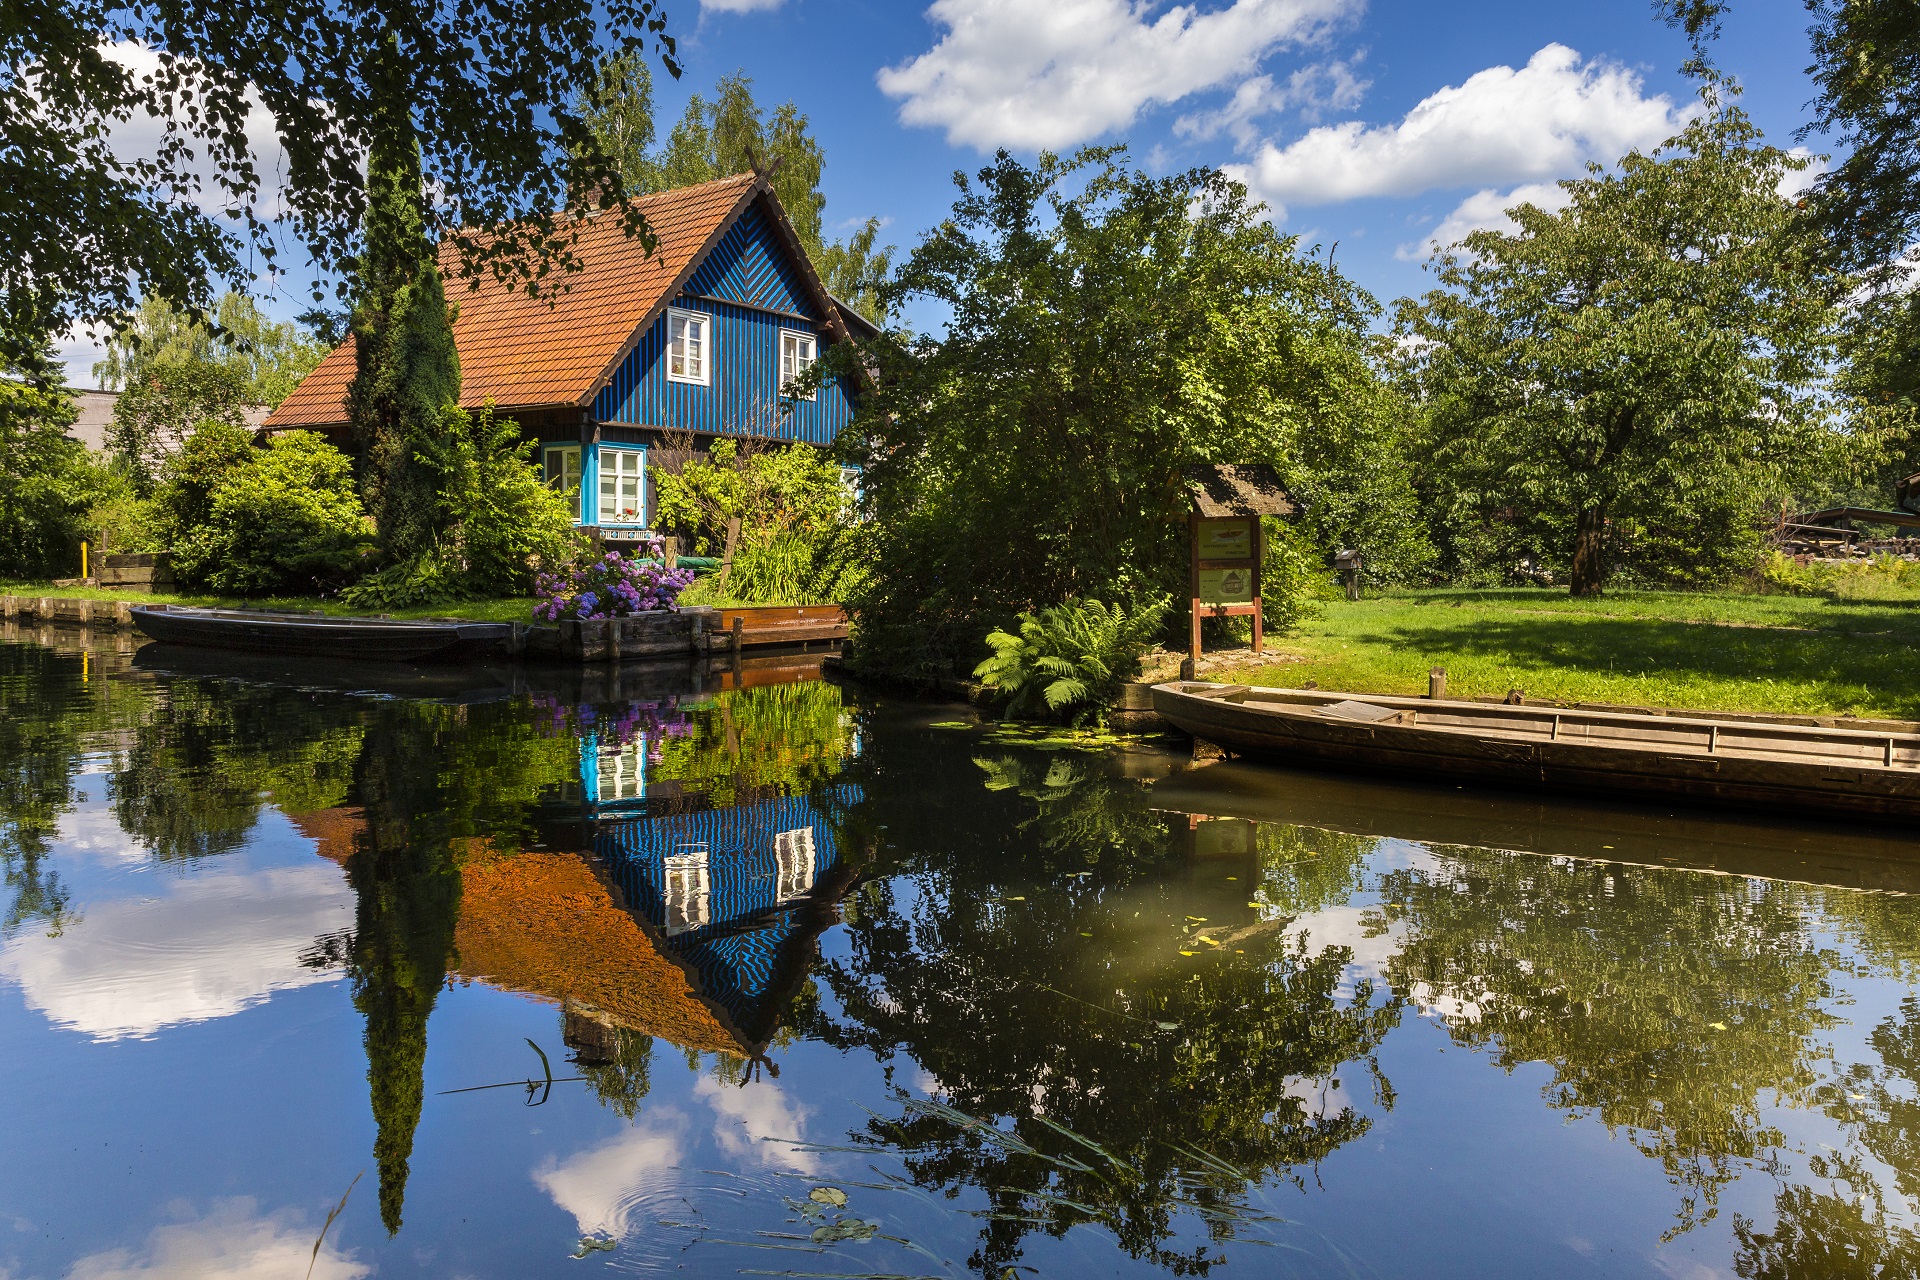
136,572
646,635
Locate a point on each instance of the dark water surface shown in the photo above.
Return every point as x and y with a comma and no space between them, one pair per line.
833,986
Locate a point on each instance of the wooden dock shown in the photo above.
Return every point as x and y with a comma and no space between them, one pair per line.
762,626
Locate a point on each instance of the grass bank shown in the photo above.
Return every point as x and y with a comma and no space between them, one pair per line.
1728,652
509,609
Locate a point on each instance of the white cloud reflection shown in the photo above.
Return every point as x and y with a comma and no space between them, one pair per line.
233,1242
207,946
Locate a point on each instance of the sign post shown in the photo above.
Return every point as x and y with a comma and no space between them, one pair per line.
1227,547
1225,574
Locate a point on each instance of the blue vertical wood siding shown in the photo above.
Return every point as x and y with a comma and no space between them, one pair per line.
745,272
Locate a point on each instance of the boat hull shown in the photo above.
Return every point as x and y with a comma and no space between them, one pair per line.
1679,760
375,640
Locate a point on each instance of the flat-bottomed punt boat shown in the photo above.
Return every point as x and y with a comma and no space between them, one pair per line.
1867,769
369,639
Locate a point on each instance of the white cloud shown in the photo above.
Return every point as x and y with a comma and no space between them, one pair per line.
1501,126
604,1186
233,1242
1050,73
1322,87
1483,210
757,1121
738,6
211,945
139,138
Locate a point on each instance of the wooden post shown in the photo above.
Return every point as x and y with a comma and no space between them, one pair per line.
726,558
1259,583
1193,585
1437,682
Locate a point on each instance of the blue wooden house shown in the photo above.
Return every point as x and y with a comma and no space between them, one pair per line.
695,342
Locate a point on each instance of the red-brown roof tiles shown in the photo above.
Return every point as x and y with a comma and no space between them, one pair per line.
518,350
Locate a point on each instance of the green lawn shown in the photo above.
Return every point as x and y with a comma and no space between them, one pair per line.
512,609
1713,651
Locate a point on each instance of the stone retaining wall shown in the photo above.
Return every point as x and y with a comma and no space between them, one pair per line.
62,611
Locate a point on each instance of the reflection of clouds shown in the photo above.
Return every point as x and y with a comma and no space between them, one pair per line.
233,1242
602,1186
757,1121
1356,928
210,946
92,828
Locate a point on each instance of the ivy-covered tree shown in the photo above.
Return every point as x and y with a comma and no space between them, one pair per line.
1108,328
1645,365
406,367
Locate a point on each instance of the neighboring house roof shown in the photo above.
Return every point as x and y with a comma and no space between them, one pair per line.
94,410
521,351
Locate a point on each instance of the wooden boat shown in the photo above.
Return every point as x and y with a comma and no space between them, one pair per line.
366,639
1867,769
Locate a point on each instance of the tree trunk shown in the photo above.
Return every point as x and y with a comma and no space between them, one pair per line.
1590,552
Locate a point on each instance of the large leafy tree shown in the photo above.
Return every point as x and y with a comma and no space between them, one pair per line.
1866,67
85,231
269,356
1651,357
1107,328
47,480
726,134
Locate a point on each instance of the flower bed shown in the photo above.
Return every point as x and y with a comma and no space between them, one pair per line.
613,586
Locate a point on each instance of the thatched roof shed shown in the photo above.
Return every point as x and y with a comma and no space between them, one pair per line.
1246,489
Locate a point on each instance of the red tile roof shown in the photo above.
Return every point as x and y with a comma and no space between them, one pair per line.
521,351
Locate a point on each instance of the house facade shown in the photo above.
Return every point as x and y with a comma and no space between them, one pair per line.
695,342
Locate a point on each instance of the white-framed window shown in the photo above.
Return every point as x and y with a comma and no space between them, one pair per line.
622,498
561,463
797,353
794,862
689,890
689,348
622,773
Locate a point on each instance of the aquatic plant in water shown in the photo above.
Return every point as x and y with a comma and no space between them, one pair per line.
612,586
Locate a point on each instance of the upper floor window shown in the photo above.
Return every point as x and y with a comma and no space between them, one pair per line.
797,352
688,346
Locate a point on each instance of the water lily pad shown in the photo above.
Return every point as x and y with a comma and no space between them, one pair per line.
594,1244
950,724
828,1195
845,1229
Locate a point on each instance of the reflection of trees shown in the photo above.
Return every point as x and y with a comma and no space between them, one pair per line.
1103,1078
1671,1005
1823,1236
208,754
772,740
430,779
51,715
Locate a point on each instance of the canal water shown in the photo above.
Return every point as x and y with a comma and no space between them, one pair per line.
317,971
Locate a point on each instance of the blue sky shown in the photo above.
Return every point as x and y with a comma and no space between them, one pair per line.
1375,125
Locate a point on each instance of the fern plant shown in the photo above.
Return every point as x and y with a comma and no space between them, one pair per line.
1068,662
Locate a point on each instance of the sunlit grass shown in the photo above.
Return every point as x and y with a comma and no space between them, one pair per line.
505,609
1716,651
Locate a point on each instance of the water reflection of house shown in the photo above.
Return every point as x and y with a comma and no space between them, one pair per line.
693,925
738,895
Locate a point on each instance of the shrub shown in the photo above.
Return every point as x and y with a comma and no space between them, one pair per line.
494,519
1070,660
612,586
47,481
282,518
